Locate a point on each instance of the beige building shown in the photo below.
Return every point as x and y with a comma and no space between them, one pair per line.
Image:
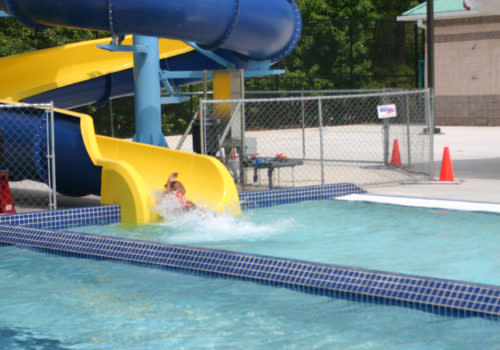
467,63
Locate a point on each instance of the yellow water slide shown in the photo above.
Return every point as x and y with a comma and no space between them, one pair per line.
132,173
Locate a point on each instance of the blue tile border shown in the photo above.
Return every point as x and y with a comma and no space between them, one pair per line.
65,218
446,297
106,214
267,198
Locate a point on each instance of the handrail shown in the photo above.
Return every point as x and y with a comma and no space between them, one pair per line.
188,130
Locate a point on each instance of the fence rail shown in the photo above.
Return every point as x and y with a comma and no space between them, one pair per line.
306,140
28,154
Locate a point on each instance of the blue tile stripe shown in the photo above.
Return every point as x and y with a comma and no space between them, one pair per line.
106,214
447,297
65,218
267,198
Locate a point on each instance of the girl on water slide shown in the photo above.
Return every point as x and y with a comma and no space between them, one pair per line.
177,189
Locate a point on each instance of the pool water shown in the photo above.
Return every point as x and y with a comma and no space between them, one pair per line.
56,302
430,242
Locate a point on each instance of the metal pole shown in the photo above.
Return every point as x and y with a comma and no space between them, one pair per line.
408,147
243,147
53,158
49,156
430,44
205,89
188,130
430,78
430,125
203,111
415,46
386,141
302,113
320,116
147,92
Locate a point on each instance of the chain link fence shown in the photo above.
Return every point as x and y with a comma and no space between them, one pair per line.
309,140
27,156
253,94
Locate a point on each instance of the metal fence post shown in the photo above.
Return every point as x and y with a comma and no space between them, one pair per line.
430,127
385,128
303,117
408,143
48,136
321,150
243,147
203,112
51,157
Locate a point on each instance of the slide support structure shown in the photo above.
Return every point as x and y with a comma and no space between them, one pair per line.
147,92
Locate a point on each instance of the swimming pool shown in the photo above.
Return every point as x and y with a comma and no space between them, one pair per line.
431,242
276,229
55,302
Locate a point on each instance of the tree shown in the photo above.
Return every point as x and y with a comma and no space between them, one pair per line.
349,44
16,38
333,51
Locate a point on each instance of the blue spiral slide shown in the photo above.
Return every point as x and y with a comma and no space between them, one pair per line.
239,31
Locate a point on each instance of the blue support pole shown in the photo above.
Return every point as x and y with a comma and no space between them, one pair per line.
147,92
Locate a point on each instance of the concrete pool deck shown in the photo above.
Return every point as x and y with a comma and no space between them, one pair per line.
475,155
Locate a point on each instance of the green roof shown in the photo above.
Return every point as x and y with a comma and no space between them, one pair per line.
440,6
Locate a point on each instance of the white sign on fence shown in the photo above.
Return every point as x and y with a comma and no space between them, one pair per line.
386,111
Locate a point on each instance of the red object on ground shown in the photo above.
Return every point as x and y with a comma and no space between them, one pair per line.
467,5
396,157
446,167
6,204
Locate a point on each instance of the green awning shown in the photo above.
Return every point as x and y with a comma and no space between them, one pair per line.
441,7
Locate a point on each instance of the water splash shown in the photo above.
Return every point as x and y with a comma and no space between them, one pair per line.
202,225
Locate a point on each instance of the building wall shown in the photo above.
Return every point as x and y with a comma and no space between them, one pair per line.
467,71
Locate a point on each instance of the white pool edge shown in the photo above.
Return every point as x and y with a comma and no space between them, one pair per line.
425,202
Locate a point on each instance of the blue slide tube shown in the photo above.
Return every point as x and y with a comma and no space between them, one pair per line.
255,29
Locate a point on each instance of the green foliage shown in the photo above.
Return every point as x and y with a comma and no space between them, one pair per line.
349,44
16,38
123,117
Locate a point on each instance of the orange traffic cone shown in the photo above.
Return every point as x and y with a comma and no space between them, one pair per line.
396,158
446,167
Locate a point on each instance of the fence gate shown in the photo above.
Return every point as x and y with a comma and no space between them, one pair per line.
27,154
